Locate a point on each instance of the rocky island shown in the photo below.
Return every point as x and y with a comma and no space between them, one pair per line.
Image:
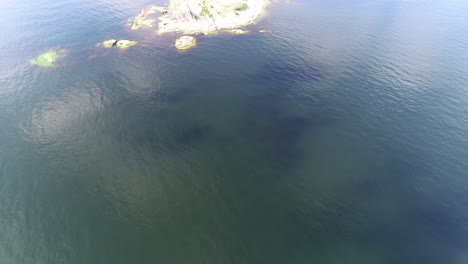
201,16
204,16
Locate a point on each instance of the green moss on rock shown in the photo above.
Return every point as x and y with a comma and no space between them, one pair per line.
49,58
109,43
123,44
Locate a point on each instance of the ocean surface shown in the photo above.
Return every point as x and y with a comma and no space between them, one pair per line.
340,137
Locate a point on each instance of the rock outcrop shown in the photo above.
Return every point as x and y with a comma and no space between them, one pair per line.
185,42
109,43
123,44
145,18
204,16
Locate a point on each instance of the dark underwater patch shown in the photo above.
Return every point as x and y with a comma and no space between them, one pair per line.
188,136
280,72
281,136
279,128
427,226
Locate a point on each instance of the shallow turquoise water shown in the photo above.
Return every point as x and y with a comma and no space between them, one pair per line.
341,137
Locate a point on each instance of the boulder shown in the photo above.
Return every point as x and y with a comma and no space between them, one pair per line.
185,42
109,43
123,44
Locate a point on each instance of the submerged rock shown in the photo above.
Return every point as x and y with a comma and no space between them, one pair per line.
236,31
49,58
185,42
109,43
204,16
123,44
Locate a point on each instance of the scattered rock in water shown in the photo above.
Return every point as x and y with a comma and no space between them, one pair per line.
264,31
143,19
185,42
109,43
123,44
204,16
236,31
49,58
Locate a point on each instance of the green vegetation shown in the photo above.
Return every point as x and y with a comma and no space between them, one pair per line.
205,10
243,7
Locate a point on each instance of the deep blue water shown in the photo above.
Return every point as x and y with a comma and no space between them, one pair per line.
339,137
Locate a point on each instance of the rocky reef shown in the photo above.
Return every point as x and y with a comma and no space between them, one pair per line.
49,58
185,42
205,16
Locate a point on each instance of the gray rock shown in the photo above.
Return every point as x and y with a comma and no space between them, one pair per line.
109,43
185,42
123,44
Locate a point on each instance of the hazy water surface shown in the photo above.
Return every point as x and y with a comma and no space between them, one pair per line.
339,137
